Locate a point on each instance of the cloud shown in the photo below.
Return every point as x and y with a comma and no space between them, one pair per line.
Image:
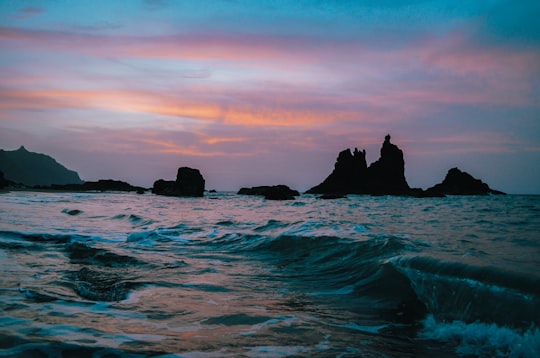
29,11
154,5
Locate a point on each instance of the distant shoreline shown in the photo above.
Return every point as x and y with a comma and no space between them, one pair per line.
46,190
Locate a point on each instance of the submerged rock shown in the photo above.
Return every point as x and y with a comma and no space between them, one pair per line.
458,182
189,182
276,192
99,285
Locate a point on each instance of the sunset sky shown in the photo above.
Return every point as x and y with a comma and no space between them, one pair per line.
268,92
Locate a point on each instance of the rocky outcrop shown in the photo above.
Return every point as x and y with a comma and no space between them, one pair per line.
276,192
100,185
458,182
351,175
348,177
32,169
387,175
189,182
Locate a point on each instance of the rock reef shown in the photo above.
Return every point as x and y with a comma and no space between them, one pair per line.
276,192
189,182
100,185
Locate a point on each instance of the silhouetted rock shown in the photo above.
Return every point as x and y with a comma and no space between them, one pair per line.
3,181
458,182
352,176
276,192
387,175
349,175
31,169
332,196
100,185
189,182
164,187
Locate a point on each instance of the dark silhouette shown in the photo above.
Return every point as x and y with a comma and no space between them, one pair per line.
100,185
352,176
349,175
189,182
30,169
276,192
3,181
458,182
386,176
332,196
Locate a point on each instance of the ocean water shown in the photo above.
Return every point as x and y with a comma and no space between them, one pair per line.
111,274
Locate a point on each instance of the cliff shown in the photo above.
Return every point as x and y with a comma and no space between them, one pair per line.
31,169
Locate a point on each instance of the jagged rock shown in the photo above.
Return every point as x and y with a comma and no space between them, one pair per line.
387,175
32,169
348,176
351,175
458,182
276,192
100,185
189,182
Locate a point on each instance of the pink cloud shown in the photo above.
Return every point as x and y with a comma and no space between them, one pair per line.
461,55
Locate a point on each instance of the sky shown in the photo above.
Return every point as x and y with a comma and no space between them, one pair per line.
269,92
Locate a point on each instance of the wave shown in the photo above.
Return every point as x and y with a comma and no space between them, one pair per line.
456,291
83,254
394,273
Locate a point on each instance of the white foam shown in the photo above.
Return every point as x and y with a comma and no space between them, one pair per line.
483,339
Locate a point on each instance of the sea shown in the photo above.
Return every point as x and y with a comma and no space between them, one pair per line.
226,275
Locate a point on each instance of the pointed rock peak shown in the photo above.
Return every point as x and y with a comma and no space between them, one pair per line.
22,149
387,138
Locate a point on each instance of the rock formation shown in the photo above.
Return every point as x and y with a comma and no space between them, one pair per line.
100,185
189,182
3,181
387,175
351,174
31,169
458,182
276,192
